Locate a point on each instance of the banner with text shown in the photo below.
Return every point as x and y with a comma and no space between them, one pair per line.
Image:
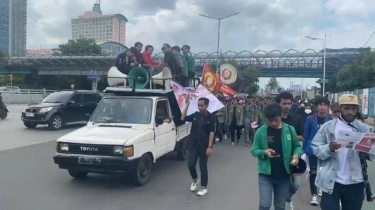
181,93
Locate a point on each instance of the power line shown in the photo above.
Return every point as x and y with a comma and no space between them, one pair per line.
368,39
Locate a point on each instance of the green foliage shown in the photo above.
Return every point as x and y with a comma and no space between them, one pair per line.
18,80
359,74
81,46
273,83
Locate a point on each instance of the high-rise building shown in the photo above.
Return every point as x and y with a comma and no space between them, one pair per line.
13,20
102,28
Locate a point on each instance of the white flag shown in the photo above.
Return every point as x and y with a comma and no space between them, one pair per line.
200,92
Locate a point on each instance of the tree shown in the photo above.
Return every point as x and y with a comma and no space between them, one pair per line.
359,74
272,83
81,46
251,75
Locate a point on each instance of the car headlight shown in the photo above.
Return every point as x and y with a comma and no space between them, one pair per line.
63,147
46,109
118,150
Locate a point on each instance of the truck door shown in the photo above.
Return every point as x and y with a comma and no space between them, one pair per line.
165,134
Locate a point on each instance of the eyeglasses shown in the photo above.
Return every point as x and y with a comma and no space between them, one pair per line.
163,48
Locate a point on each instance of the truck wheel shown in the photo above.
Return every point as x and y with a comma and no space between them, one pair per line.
30,125
142,172
182,150
56,122
77,174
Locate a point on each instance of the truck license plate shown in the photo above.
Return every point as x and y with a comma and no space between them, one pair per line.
28,114
89,160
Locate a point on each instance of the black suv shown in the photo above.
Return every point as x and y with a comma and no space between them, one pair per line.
61,108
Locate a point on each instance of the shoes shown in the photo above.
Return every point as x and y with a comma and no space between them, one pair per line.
202,192
232,144
314,200
289,206
194,186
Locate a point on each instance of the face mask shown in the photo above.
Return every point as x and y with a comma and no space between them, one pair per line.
307,111
302,105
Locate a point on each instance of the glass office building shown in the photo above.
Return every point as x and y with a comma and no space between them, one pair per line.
13,17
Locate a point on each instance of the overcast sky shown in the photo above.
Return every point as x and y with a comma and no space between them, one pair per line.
265,24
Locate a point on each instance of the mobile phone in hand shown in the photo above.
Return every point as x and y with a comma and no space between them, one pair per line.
275,155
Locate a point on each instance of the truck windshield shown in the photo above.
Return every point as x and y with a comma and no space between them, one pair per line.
123,110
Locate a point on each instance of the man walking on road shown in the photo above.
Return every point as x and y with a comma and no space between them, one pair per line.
285,99
277,148
200,142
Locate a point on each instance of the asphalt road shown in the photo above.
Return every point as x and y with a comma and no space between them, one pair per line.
30,180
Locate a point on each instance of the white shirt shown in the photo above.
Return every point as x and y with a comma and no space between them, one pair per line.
343,171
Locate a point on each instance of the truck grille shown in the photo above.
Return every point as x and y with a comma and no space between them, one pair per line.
91,149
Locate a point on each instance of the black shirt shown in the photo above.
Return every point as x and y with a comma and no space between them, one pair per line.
274,142
202,126
320,121
295,121
123,63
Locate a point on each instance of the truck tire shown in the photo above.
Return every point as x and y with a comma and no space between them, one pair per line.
56,122
182,150
142,172
77,174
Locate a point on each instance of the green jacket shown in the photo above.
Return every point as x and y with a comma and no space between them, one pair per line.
290,143
239,115
184,65
190,62
221,118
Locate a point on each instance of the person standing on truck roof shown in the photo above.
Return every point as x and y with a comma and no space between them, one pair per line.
200,142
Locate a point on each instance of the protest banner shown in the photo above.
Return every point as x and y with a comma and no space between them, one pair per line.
181,93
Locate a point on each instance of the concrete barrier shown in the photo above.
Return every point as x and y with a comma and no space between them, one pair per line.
22,98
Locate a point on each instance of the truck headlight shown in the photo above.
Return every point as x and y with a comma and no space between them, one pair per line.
46,109
128,151
63,147
118,150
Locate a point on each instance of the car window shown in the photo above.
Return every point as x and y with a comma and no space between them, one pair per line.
162,109
89,98
77,98
58,97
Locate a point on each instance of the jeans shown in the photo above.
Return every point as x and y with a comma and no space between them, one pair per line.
351,197
220,131
233,129
293,187
313,162
280,189
193,155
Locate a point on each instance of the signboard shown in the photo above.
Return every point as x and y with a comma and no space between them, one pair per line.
92,77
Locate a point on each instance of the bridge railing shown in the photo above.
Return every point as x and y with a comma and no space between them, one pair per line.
31,91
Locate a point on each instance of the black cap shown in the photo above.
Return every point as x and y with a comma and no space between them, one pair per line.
300,168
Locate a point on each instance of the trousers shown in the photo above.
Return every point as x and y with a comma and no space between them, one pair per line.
195,154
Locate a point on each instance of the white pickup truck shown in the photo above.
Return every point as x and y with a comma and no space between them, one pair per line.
127,133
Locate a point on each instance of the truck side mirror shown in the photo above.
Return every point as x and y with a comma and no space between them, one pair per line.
159,120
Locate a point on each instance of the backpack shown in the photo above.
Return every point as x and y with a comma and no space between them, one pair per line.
312,119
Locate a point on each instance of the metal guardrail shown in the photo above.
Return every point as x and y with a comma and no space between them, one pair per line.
30,91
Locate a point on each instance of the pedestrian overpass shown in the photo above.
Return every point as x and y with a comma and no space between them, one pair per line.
290,63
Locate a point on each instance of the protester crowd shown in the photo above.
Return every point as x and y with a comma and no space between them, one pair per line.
289,137
178,60
280,130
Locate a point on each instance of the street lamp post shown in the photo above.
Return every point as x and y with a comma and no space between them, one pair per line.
218,33
324,58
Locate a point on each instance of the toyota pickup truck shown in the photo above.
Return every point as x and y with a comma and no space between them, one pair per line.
128,132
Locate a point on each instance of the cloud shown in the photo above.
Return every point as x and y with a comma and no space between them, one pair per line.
268,24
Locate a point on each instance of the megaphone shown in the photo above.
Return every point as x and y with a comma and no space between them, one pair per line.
165,75
116,77
138,77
